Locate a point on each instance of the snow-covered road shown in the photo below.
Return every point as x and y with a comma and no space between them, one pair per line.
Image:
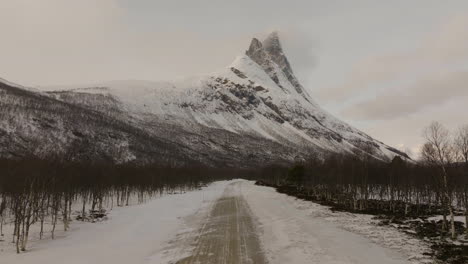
227,234
227,222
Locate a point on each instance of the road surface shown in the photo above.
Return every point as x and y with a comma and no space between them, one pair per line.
228,234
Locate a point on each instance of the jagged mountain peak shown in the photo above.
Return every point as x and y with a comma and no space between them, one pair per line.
269,55
272,43
258,54
255,46
272,46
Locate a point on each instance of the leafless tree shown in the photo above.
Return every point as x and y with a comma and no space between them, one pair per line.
461,146
34,191
461,143
439,151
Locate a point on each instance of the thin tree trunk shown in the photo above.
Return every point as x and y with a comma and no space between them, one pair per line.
452,223
83,210
466,222
17,242
449,204
26,227
41,233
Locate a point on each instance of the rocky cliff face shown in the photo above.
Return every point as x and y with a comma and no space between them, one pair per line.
270,51
253,112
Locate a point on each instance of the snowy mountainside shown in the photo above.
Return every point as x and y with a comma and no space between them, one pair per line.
253,111
34,124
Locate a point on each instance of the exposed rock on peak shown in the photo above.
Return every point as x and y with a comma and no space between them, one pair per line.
255,46
272,43
257,53
272,46
269,55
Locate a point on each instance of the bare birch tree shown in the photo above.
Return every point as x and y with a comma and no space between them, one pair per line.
439,151
461,143
461,146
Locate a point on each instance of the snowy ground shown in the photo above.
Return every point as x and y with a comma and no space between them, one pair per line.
297,231
227,222
460,218
131,235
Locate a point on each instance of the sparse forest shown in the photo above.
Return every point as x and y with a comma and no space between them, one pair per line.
34,191
398,187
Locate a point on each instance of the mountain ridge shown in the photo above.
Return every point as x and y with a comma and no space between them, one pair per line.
254,111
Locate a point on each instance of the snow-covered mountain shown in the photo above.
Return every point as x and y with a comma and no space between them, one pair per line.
252,112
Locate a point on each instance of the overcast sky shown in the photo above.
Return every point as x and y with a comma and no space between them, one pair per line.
386,67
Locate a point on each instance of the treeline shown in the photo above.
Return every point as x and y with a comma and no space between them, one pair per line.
34,191
435,185
348,181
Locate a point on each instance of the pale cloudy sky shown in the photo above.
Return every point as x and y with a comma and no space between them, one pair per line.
386,67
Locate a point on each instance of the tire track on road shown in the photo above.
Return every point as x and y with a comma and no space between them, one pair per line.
228,235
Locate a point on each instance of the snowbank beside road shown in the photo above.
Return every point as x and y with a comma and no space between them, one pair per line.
296,231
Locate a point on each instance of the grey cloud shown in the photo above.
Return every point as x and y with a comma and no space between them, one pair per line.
407,130
446,45
301,50
67,42
408,100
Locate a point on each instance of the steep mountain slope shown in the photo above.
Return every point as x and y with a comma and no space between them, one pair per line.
34,124
253,112
37,124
